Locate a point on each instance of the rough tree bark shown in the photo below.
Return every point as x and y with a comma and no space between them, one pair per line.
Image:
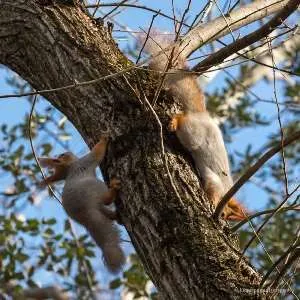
186,254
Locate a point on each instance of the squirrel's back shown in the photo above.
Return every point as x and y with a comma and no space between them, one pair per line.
203,138
81,199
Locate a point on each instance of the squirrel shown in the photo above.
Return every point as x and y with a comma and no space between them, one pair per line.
194,127
85,198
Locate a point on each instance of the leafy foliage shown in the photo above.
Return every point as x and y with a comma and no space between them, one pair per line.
35,250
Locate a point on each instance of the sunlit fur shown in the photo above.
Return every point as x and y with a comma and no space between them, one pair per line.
84,199
195,129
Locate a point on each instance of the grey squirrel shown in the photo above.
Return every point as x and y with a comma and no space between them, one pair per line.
84,199
194,127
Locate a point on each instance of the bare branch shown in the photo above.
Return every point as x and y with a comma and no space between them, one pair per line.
285,268
249,39
269,218
147,37
143,7
204,12
261,213
252,170
33,149
258,71
45,293
72,229
240,17
70,86
291,248
115,8
38,293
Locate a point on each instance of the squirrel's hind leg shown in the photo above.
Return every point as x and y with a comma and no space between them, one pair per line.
176,122
212,186
112,215
109,196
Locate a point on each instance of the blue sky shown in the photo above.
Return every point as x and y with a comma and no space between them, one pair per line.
13,110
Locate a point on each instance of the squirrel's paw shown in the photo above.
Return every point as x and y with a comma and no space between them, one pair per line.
173,124
115,184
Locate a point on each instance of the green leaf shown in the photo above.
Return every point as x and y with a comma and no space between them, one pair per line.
31,271
21,257
49,221
19,276
115,284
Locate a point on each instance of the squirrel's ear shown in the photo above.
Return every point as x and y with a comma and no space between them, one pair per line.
49,162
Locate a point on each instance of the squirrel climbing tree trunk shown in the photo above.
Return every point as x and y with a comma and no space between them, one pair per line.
162,204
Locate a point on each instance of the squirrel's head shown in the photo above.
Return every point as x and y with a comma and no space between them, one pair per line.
60,165
63,160
66,158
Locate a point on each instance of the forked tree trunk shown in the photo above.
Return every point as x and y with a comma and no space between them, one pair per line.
186,254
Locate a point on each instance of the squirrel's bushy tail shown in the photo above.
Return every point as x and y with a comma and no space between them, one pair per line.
234,211
107,237
160,46
166,56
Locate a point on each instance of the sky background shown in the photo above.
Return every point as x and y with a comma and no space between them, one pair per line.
13,110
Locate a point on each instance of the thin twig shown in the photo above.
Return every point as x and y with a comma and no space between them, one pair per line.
260,62
134,6
121,10
174,15
74,85
293,30
204,11
291,248
182,20
33,149
249,39
72,230
280,123
163,150
96,8
225,19
147,37
269,217
261,213
234,6
252,170
114,9
285,268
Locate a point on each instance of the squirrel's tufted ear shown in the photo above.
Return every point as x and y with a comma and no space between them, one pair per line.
49,162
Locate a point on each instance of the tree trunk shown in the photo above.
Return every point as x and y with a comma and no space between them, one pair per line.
185,253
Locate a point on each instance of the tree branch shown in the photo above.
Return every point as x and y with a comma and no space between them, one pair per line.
261,213
39,293
252,170
286,254
72,48
295,256
249,39
45,293
242,16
